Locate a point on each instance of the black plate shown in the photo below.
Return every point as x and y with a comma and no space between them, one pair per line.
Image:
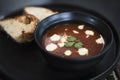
24,61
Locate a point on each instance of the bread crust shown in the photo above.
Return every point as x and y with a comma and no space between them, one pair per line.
39,12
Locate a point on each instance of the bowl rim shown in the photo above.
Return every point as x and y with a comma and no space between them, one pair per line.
75,58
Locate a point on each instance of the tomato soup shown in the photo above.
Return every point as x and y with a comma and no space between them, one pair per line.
73,40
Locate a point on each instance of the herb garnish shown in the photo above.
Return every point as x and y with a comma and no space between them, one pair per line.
71,38
78,45
73,42
69,44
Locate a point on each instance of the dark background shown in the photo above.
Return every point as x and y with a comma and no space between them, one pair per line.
108,8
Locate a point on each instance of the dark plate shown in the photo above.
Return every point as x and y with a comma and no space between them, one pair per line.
24,61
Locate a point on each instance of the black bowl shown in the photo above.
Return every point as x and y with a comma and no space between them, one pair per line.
72,64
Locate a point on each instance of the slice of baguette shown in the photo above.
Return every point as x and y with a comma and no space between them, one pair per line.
39,12
20,28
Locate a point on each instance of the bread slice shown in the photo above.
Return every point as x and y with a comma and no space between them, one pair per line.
20,28
39,12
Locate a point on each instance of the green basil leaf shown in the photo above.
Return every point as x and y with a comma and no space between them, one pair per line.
78,45
69,44
71,38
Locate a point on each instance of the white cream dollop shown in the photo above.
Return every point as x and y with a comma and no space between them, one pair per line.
55,37
63,39
61,44
100,40
89,33
75,32
83,51
67,53
81,26
51,47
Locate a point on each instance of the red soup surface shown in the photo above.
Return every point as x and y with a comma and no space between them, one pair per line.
73,40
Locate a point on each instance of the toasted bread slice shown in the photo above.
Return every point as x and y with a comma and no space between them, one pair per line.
20,28
39,12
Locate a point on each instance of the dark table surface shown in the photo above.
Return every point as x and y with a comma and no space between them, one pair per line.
108,8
